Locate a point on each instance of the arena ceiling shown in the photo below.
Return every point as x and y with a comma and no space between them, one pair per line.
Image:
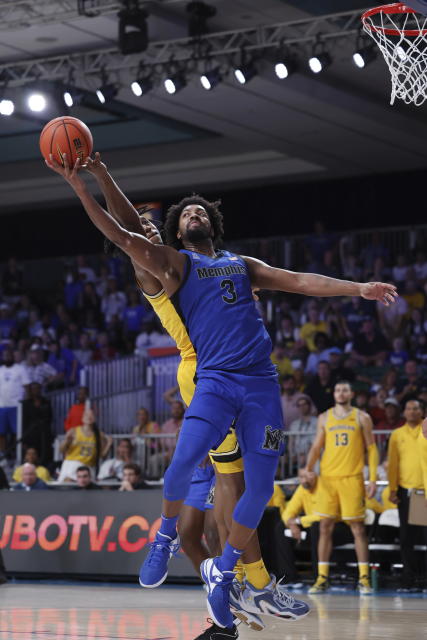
338,123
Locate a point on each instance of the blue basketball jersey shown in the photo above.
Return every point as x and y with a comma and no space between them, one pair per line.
216,305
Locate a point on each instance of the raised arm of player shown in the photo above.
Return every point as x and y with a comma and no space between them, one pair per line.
311,284
165,263
117,203
318,443
373,456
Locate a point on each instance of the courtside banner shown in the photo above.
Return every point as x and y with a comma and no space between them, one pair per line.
81,532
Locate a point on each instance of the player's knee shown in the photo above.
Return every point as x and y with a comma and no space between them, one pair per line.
358,529
326,526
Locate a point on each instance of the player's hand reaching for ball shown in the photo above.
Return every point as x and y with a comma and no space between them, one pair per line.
70,174
380,291
95,166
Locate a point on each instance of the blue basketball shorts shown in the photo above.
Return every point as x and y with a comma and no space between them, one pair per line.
201,493
8,420
252,400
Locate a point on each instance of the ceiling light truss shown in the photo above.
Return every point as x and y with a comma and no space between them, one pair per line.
334,27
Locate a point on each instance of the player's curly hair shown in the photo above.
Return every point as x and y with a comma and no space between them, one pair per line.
174,212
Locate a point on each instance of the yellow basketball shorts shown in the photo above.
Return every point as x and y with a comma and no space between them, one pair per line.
227,458
341,497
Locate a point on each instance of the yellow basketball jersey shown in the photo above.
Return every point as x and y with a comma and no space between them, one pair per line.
344,451
172,323
422,442
83,448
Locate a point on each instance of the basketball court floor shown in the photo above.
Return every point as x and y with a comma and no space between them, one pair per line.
39,611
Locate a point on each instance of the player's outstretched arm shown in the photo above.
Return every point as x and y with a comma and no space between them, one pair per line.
371,448
318,443
165,263
311,284
117,203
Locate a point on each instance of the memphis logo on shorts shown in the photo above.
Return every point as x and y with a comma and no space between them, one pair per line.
273,438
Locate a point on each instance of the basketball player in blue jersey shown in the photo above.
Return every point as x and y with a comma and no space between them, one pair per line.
212,292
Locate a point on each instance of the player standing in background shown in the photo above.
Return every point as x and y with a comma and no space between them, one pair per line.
212,292
344,433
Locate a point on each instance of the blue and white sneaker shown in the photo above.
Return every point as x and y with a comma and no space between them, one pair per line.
274,601
154,569
253,621
219,584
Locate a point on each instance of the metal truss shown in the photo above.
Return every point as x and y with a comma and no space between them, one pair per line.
18,14
329,29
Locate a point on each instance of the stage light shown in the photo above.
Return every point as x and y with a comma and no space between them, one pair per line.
141,86
37,102
7,107
245,72
319,62
175,83
133,30
199,14
106,92
68,98
284,67
364,56
210,79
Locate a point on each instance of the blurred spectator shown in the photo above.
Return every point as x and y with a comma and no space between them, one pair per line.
38,370
290,397
84,445
399,355
36,423
84,353
399,271
170,426
288,335
350,267
327,267
75,412
354,313
313,325
4,484
421,350
132,478
321,352
89,301
133,313
319,243
30,481
393,415
12,281
150,337
305,425
113,467
375,249
86,273
377,408
13,382
7,322
370,346
281,361
392,319
361,400
102,281
113,301
338,331
144,424
84,479
72,289
320,389
413,296
65,364
32,457
411,383
417,323
103,350
340,371
420,266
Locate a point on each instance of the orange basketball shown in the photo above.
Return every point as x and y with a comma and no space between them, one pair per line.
66,135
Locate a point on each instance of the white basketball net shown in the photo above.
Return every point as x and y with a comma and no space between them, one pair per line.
405,55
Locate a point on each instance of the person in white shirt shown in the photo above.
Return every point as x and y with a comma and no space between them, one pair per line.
150,338
37,369
84,270
13,381
114,301
113,467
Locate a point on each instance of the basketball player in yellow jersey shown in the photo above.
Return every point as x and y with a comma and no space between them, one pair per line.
422,440
344,433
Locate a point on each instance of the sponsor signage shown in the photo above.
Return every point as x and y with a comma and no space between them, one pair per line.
81,532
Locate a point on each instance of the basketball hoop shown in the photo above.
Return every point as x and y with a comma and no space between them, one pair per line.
401,34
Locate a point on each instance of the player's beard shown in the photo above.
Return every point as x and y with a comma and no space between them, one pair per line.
197,234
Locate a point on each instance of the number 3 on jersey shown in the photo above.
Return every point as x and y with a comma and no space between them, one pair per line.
341,439
231,296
